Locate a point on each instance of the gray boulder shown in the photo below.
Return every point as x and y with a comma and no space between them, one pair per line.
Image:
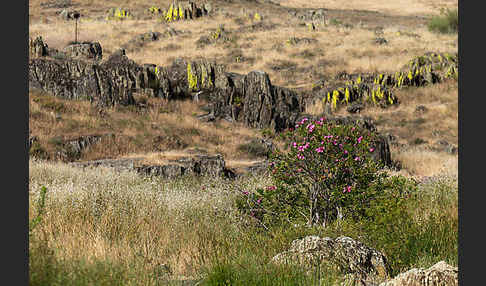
343,253
440,274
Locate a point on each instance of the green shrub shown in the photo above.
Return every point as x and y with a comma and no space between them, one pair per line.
328,173
447,22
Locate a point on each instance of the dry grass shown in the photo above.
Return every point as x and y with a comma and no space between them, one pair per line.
162,125
418,162
398,7
143,220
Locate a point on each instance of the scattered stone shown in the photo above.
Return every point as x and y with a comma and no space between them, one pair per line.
207,117
355,107
140,40
343,253
309,15
443,145
299,41
421,109
440,274
56,4
381,41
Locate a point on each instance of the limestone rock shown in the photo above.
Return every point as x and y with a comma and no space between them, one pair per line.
344,253
441,274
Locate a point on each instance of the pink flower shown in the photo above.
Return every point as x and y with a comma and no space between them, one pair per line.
259,201
356,159
345,151
299,170
271,188
347,189
301,157
310,127
294,144
360,138
320,149
372,149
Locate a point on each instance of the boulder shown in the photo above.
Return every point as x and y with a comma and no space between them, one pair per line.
85,50
344,253
440,273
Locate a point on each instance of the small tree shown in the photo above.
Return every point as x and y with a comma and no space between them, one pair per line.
326,173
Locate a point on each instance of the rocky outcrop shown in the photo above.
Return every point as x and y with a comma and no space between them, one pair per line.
85,50
72,149
378,89
186,10
253,100
77,79
250,99
343,253
118,14
197,165
440,274
37,48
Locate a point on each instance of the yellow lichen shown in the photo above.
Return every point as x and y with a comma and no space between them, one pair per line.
191,78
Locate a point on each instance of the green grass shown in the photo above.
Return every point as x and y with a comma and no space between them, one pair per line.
447,22
106,228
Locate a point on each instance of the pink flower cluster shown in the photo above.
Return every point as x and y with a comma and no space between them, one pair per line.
303,147
301,122
320,149
310,127
347,189
271,188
